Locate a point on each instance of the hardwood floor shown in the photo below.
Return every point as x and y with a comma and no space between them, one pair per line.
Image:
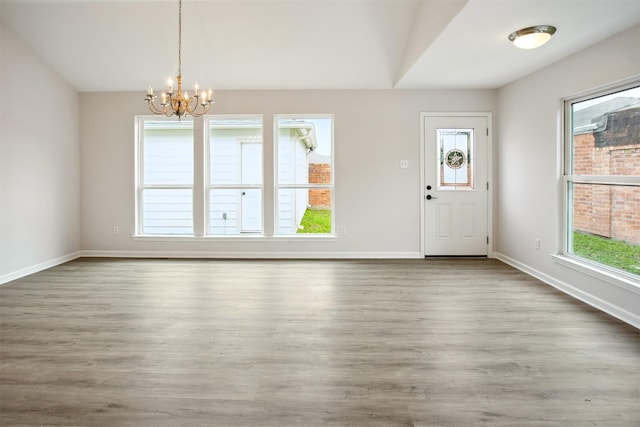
309,343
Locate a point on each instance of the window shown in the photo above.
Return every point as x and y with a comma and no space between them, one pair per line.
234,188
165,177
455,155
304,175
602,180
205,178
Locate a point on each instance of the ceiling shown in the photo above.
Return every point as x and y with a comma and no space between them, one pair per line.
120,45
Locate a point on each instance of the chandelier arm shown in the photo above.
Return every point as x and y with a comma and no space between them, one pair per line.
198,114
195,110
191,109
203,110
154,108
165,110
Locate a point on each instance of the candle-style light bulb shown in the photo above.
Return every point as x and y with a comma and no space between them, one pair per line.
150,91
170,83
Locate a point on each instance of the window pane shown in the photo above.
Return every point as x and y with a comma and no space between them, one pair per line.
235,151
292,204
168,152
235,211
606,225
167,211
317,216
301,143
304,211
606,140
455,158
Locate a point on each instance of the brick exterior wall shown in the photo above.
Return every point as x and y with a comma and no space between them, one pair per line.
319,173
609,211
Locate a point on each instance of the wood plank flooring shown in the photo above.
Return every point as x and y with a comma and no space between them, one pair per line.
102,342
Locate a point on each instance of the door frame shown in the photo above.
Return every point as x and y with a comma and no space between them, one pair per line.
489,117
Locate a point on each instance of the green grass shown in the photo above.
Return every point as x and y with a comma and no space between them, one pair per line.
316,221
614,253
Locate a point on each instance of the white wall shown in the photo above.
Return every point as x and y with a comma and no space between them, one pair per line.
378,202
39,163
529,167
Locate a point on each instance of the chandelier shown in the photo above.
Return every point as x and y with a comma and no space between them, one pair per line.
179,103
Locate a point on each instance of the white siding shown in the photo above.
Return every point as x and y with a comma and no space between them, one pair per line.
225,168
286,175
167,161
168,156
292,169
224,207
302,177
167,211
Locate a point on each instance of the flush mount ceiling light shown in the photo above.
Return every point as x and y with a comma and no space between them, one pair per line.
532,37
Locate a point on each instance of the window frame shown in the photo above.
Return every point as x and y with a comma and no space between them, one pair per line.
277,186
569,178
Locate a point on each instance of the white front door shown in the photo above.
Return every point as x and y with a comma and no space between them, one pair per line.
455,185
251,204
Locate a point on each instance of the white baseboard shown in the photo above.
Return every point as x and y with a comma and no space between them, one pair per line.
5,278
596,302
252,255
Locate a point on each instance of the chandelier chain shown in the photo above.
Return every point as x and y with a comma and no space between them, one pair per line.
180,38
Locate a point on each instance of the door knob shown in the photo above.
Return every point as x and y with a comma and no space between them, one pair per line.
429,197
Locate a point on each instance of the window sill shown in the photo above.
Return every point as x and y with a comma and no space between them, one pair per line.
621,279
236,238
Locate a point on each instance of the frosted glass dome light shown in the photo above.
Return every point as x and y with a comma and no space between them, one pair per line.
532,37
